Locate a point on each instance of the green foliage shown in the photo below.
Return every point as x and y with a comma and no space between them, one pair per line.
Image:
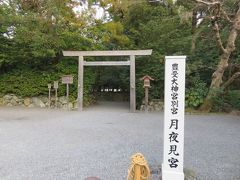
218,100
159,28
196,93
114,37
112,77
33,35
25,83
231,99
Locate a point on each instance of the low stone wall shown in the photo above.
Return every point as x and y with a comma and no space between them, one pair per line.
153,105
42,102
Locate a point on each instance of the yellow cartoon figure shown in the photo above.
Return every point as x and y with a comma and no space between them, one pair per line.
139,169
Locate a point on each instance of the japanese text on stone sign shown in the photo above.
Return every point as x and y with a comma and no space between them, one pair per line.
173,127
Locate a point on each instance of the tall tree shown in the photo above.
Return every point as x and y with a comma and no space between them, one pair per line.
223,18
40,28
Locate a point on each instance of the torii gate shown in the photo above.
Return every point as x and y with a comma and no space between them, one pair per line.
131,63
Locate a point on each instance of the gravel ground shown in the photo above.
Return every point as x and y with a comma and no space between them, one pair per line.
42,144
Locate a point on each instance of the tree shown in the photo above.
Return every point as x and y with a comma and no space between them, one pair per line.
158,27
224,18
33,34
39,28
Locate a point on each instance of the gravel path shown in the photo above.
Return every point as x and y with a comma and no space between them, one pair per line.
49,144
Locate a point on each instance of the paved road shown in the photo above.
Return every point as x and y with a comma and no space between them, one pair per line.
61,145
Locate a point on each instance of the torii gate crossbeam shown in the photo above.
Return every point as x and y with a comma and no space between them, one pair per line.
131,63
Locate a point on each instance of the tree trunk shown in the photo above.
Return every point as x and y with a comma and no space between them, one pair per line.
223,64
231,80
194,27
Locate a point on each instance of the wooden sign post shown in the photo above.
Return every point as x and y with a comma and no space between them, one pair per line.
174,102
146,85
49,95
55,86
67,79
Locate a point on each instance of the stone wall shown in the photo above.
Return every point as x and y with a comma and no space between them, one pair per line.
153,105
41,102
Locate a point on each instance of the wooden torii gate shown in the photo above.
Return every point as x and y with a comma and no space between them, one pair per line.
131,63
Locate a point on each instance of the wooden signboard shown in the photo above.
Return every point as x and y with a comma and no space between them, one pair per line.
67,79
55,84
49,86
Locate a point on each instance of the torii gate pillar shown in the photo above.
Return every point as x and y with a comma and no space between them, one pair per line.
80,83
132,84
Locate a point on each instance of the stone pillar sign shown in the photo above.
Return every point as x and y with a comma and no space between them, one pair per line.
174,102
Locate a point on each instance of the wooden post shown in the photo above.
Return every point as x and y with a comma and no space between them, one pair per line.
80,83
67,96
132,84
146,99
49,95
67,90
56,95
55,85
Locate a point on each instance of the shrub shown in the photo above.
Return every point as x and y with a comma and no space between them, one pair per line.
196,93
233,98
29,82
225,101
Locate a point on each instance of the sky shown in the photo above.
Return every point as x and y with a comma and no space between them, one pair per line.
99,11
